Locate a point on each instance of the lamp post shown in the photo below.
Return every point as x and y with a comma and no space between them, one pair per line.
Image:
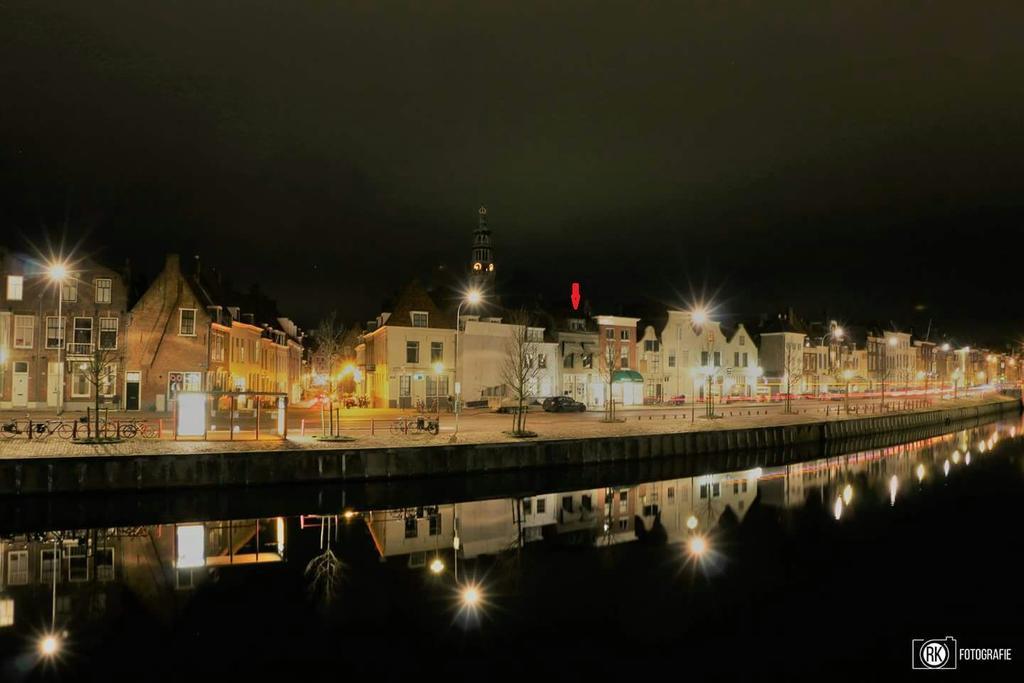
700,318
472,298
58,273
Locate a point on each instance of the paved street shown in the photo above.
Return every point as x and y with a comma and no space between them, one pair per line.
474,427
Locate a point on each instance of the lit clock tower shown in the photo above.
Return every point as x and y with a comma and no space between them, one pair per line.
481,273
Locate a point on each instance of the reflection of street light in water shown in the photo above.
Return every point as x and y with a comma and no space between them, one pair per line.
691,522
945,468
50,643
894,484
697,545
437,566
920,471
847,494
837,508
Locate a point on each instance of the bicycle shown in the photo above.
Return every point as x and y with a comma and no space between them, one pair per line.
402,425
36,430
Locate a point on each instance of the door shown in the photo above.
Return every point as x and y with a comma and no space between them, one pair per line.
53,377
132,384
19,391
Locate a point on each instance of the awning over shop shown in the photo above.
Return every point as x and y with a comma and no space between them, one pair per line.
627,376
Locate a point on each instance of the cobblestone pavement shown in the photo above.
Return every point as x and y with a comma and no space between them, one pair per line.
491,430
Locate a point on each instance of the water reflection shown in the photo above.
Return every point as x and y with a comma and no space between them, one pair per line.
77,578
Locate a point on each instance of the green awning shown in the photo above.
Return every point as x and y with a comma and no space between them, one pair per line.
627,376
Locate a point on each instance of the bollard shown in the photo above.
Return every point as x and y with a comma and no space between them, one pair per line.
302,427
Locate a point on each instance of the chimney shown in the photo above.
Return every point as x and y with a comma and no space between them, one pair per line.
249,318
172,263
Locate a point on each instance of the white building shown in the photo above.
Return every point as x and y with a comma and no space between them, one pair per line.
694,352
484,351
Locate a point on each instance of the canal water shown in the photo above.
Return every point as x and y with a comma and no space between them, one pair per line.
826,568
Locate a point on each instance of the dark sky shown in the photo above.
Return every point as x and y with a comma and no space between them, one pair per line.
867,156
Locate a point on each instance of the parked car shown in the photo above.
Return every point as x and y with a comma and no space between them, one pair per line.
563,404
676,400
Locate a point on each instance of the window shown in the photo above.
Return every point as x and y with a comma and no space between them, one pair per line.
718,359
671,360
187,322
435,524
436,352
624,356
108,333
24,326
576,325
745,360
108,380
588,360
671,494
103,286
69,291
419,319
405,385
624,335
412,352
623,525
568,360
736,358
609,333
410,527
716,490
703,358
216,346
527,506
567,503
623,500
81,335
652,345
542,505
15,287
542,360
743,340
17,567
54,332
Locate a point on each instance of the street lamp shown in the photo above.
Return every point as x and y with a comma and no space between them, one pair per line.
58,273
472,298
700,317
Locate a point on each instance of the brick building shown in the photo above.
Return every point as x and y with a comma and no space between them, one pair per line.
37,347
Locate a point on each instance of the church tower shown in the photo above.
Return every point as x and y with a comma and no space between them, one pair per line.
481,273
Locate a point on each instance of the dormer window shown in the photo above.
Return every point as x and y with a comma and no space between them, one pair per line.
419,319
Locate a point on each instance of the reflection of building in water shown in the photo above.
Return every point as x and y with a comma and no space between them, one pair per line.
93,568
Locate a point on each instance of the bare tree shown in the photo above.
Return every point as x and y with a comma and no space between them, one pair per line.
608,365
794,368
324,570
101,373
519,369
328,335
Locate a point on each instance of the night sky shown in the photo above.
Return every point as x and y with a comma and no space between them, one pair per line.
867,157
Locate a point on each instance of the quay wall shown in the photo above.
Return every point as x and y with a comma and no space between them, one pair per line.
100,474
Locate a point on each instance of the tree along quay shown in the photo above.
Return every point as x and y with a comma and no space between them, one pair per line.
259,468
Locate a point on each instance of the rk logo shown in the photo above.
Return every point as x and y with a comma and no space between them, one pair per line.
934,653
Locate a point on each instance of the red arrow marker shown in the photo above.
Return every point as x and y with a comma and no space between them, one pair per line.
575,296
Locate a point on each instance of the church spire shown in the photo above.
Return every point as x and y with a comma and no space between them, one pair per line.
482,263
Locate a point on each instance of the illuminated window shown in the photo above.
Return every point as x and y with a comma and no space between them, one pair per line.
436,352
15,287
81,335
69,291
412,352
24,327
419,319
103,286
588,360
624,335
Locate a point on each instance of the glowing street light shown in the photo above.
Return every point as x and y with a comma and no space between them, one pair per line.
472,297
699,316
691,522
437,566
49,645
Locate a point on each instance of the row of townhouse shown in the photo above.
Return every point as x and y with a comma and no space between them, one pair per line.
407,357
178,336
830,358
